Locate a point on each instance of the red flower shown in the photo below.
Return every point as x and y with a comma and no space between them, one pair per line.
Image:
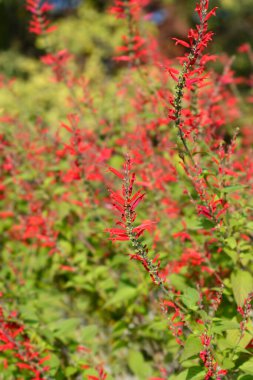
39,23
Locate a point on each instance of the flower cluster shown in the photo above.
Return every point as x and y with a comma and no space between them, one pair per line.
14,340
58,63
125,204
39,23
213,369
126,8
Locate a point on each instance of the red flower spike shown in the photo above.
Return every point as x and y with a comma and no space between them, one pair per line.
39,24
128,204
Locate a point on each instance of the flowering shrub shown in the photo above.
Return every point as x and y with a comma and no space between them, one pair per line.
163,149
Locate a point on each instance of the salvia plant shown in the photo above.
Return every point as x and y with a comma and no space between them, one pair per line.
126,212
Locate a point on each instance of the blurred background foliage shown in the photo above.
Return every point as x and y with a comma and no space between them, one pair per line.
97,34
229,26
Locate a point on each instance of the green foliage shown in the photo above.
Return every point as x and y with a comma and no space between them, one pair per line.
242,285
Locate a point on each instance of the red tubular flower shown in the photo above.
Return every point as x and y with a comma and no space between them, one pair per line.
181,42
39,23
57,62
205,340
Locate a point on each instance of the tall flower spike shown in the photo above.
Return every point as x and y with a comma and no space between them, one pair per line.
39,23
134,47
122,8
198,41
125,202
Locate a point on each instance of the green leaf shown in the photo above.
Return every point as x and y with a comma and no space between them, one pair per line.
246,258
178,281
206,224
190,298
195,373
224,325
203,314
231,242
65,328
193,223
70,371
247,367
228,364
242,285
123,295
249,225
138,365
89,333
233,337
192,347
65,246
90,372
232,189
53,362
232,254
